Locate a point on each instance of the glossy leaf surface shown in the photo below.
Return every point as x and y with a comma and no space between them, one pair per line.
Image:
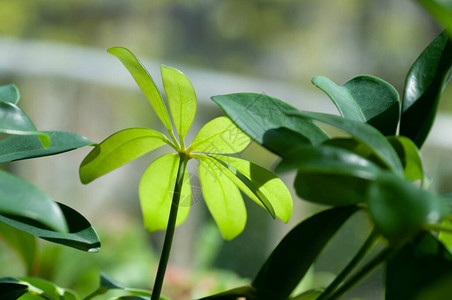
144,81
81,234
24,147
268,186
9,93
21,199
223,199
419,264
365,98
281,273
181,98
14,121
425,81
409,156
364,133
119,149
256,114
23,243
156,193
245,291
219,136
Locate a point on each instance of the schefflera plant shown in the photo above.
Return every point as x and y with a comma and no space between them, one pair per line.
164,190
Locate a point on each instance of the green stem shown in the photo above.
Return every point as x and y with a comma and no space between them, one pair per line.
362,252
173,138
365,270
170,229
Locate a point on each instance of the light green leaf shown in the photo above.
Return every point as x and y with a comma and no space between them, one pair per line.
22,147
19,198
365,98
48,288
119,149
144,81
181,99
446,237
364,133
156,193
9,93
268,186
14,121
219,136
409,156
223,199
441,10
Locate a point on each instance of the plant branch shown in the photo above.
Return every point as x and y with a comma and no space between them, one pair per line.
164,257
365,248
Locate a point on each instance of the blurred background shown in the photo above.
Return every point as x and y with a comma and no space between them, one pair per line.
55,52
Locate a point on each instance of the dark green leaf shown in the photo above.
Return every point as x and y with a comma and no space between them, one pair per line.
420,263
245,291
292,258
21,199
365,98
9,93
108,283
409,156
309,295
256,114
23,147
363,133
11,289
80,236
424,83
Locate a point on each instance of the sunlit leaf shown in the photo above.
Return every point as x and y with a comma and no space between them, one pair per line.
256,114
21,199
48,288
409,156
119,149
9,93
81,234
23,243
365,98
144,81
419,264
181,98
248,292
219,136
424,83
362,132
223,199
22,147
294,255
268,185
441,10
14,121
156,193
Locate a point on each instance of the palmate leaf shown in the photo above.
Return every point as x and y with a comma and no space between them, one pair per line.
144,81
219,136
9,93
24,147
424,83
281,273
156,193
181,99
257,114
14,121
119,149
223,199
365,98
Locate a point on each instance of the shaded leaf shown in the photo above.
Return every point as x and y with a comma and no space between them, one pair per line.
219,136
281,273
119,149
12,290
256,114
420,263
23,147
245,291
409,156
268,185
156,193
81,234
424,83
309,295
365,98
9,93
223,199
363,133
144,81
181,98
21,199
